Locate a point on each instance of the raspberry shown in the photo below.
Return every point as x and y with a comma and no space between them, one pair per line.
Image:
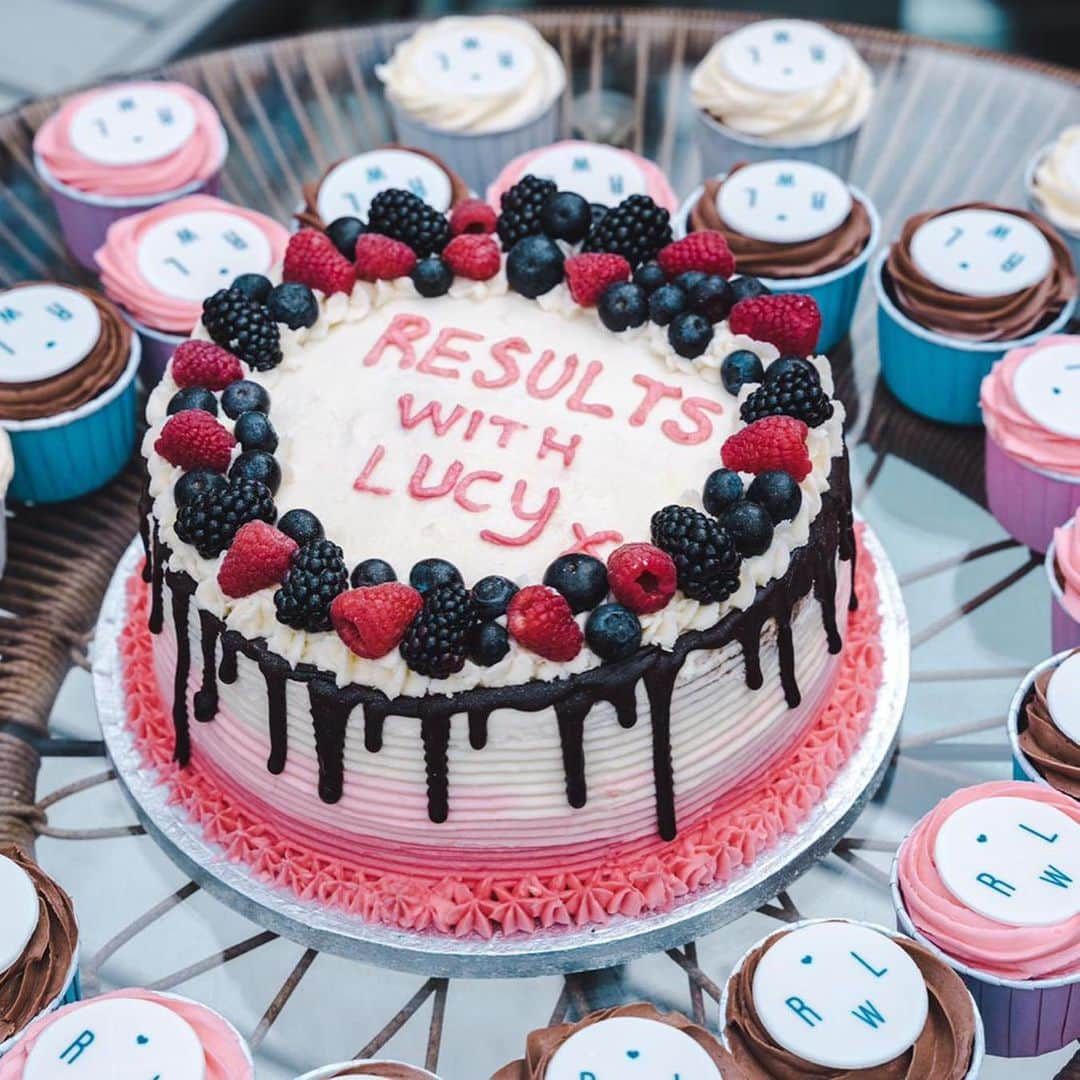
705,251
475,257
373,620
705,557
641,577
791,322
193,439
589,275
776,442
472,216
379,258
311,259
202,363
257,559
540,619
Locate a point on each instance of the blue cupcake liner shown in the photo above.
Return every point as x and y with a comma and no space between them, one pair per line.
64,456
935,375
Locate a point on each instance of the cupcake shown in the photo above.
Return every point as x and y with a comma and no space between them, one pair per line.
659,1044
958,290
67,390
158,266
836,998
989,881
39,946
1063,574
348,186
1031,409
7,470
605,175
795,226
121,149
375,1070
476,91
780,88
129,1032
1044,724
1053,185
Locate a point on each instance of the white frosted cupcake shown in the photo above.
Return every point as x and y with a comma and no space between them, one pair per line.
476,91
1053,184
781,88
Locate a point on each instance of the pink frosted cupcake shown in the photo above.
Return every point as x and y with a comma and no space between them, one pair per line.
131,1032
990,881
602,174
1063,575
160,265
118,150
1031,408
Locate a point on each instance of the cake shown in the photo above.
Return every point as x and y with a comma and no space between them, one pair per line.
1063,577
1044,725
1053,185
604,666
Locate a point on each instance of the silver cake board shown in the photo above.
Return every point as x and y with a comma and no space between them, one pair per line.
555,951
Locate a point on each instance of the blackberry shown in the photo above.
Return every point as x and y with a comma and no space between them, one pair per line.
210,520
406,217
243,327
706,561
521,206
796,392
317,575
636,229
437,641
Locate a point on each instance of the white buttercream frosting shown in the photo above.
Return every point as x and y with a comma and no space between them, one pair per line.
509,76
1055,186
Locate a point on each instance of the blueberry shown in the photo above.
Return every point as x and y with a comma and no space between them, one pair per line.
650,276
598,212
254,286
257,465
254,431
778,493
741,367
745,288
723,488
492,594
581,578
667,302
242,396
432,276
623,306
749,526
488,644
689,278
690,334
372,572
791,363
192,397
302,525
566,216
711,297
534,266
613,632
343,233
428,573
195,483
293,304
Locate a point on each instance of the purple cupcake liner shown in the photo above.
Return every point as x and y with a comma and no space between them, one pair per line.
1064,629
1029,503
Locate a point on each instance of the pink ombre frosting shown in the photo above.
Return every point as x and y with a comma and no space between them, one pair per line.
1018,434
118,262
1011,952
226,1056
1067,560
196,161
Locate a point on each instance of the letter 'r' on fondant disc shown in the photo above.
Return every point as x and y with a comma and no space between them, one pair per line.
18,912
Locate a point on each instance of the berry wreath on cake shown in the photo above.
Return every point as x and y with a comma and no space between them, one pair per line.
501,571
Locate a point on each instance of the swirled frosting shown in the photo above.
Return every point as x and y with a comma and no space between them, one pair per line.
88,379
974,318
1067,564
790,118
118,262
541,1046
1017,433
40,974
1054,186
943,1050
764,258
198,159
1045,745
474,113
1011,952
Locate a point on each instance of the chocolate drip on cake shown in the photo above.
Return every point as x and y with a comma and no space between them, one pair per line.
206,699
478,728
276,673
330,717
374,723
435,735
182,588
159,554
571,713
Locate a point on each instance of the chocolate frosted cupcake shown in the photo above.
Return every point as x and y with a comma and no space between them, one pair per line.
375,1070
1044,725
